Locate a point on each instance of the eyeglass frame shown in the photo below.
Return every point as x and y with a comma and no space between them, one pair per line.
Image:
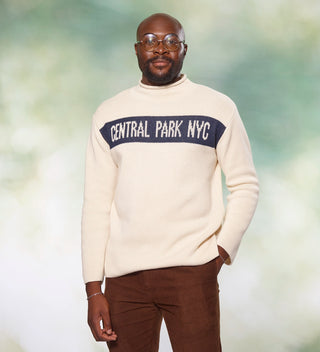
161,40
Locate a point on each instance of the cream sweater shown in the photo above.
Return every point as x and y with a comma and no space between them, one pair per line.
153,193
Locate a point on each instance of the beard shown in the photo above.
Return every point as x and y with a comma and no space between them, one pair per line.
161,78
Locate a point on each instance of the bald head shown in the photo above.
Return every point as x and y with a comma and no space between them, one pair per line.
158,20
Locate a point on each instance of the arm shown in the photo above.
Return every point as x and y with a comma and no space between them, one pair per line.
235,158
100,183
100,180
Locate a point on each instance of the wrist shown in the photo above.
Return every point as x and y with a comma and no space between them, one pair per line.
93,287
94,294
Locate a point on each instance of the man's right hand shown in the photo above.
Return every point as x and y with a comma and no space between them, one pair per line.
98,310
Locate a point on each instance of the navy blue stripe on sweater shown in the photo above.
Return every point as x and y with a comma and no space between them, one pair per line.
196,129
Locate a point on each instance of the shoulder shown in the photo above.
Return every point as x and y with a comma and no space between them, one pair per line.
216,103
211,93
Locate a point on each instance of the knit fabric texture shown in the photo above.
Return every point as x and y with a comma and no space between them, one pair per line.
153,193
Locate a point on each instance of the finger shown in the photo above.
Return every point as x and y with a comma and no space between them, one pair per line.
103,328
98,333
100,330
111,336
106,321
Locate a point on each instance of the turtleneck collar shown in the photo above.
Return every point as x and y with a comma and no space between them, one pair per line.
166,86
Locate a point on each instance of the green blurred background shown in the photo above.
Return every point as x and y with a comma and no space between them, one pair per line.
59,60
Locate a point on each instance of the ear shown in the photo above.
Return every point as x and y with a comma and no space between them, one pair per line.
185,49
136,48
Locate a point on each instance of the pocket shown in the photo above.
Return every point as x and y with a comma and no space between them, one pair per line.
214,265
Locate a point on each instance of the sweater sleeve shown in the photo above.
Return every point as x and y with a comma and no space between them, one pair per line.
235,158
100,181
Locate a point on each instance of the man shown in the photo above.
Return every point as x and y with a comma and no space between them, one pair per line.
154,224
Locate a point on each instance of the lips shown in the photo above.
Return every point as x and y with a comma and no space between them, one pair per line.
160,63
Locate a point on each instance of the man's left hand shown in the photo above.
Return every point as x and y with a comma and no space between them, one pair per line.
223,257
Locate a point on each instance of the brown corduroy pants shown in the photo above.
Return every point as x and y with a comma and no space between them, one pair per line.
187,297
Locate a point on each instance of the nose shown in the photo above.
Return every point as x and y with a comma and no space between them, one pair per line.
160,49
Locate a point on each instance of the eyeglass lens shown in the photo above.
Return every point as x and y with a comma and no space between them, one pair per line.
170,42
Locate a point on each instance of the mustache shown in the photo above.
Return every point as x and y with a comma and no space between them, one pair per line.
160,57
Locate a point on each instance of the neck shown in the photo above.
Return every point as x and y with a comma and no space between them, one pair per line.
145,80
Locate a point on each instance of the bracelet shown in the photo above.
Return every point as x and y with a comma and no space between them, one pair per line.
98,293
224,260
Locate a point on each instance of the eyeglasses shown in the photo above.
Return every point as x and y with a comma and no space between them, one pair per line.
150,42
